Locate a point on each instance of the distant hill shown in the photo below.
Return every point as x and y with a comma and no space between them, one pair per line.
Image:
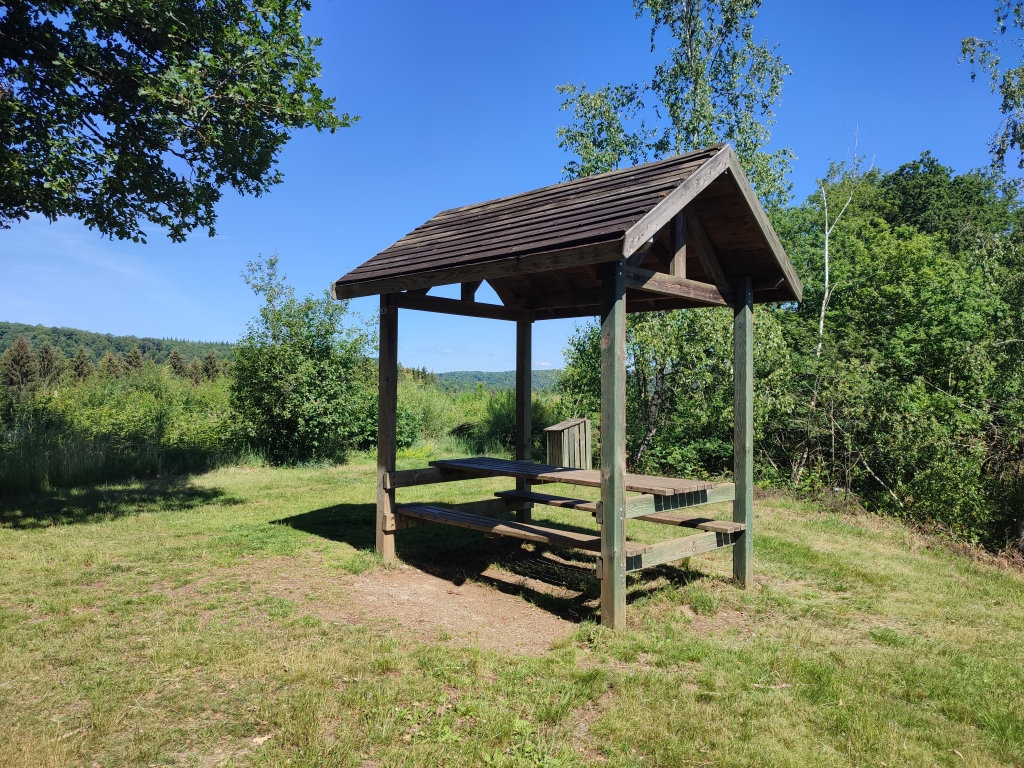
462,380
97,344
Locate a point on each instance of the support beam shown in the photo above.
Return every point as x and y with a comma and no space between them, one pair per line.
676,287
706,252
677,266
743,429
613,445
469,290
387,418
524,403
456,307
639,506
677,549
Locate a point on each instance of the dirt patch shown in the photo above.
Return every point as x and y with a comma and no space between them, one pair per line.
469,613
429,607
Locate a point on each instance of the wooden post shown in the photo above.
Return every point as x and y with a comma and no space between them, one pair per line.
387,417
678,265
613,445
743,429
524,403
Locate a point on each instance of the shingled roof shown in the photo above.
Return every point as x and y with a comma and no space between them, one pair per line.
538,249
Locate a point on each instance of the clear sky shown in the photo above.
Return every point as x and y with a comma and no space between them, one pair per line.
458,105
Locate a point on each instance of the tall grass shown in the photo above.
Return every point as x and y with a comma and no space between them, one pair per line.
108,428
153,422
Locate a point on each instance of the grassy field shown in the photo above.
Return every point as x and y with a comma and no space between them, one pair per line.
207,621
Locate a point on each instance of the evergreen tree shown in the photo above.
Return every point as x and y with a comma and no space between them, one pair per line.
211,370
177,363
52,363
195,371
19,367
112,365
82,367
133,360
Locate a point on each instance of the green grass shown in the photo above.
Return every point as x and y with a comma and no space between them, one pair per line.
137,629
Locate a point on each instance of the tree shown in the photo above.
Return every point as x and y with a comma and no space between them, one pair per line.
303,383
133,360
118,113
211,369
51,364
112,365
717,85
81,366
19,368
177,363
985,58
195,371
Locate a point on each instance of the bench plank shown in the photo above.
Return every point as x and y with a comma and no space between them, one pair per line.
550,500
528,470
525,531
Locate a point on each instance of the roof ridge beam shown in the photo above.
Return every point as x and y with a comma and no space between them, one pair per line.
663,212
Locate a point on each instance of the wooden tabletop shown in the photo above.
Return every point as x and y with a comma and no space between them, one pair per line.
659,486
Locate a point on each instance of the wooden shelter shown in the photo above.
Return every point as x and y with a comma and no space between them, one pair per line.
679,233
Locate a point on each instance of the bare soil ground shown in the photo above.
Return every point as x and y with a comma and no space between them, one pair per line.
428,606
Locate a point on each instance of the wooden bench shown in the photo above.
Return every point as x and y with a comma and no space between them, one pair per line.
638,556
489,525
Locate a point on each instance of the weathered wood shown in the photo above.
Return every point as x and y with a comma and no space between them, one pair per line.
465,308
516,530
706,253
613,445
693,521
387,415
405,478
468,290
662,214
743,429
667,285
549,500
677,549
485,507
487,466
554,217
778,252
524,403
568,444
677,266
483,270
645,505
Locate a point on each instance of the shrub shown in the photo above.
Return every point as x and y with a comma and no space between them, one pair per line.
304,386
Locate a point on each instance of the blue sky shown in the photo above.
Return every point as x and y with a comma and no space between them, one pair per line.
458,105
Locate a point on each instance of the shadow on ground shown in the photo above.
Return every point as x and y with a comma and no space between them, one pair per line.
459,554
91,504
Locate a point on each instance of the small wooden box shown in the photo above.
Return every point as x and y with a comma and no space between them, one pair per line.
569,444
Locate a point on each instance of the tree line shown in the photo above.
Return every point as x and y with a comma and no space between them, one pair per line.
96,345
23,369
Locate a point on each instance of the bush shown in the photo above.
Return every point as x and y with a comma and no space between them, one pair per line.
496,429
303,384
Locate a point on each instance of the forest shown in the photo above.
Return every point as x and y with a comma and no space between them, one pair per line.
895,385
